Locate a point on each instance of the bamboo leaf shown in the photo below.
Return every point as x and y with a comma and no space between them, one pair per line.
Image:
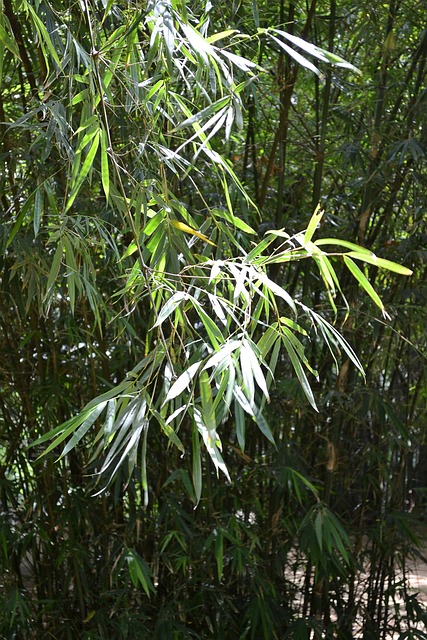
363,281
296,56
198,43
10,44
214,333
38,210
187,229
342,243
361,253
170,306
263,425
222,355
86,125
213,108
44,37
139,571
83,429
182,382
242,63
197,464
54,269
221,35
317,52
313,224
64,430
239,417
381,263
234,220
105,174
207,402
247,373
296,363
144,482
212,444
86,167
277,290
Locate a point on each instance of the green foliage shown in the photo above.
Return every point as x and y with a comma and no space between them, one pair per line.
205,304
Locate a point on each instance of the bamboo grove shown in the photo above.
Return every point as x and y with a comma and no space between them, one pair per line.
212,302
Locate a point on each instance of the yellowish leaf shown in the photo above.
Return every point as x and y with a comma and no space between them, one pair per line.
187,229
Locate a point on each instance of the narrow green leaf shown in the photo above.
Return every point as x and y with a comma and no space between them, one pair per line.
277,290
267,340
20,220
263,425
107,427
239,417
234,220
83,429
317,52
299,371
10,44
182,382
363,254
218,105
247,373
129,251
332,337
313,224
125,450
144,482
86,167
221,35
73,278
363,281
2,49
154,223
121,388
241,63
44,37
342,243
54,269
105,174
80,97
197,464
381,263
64,430
217,308
170,307
139,571
214,333
242,400
38,210
207,403
296,56
303,480
85,125
167,429
199,45
220,402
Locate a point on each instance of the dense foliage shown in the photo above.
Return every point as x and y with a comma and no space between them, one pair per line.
213,365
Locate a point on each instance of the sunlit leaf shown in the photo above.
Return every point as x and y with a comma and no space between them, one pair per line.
363,281
170,306
183,381
86,167
313,224
105,174
186,229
